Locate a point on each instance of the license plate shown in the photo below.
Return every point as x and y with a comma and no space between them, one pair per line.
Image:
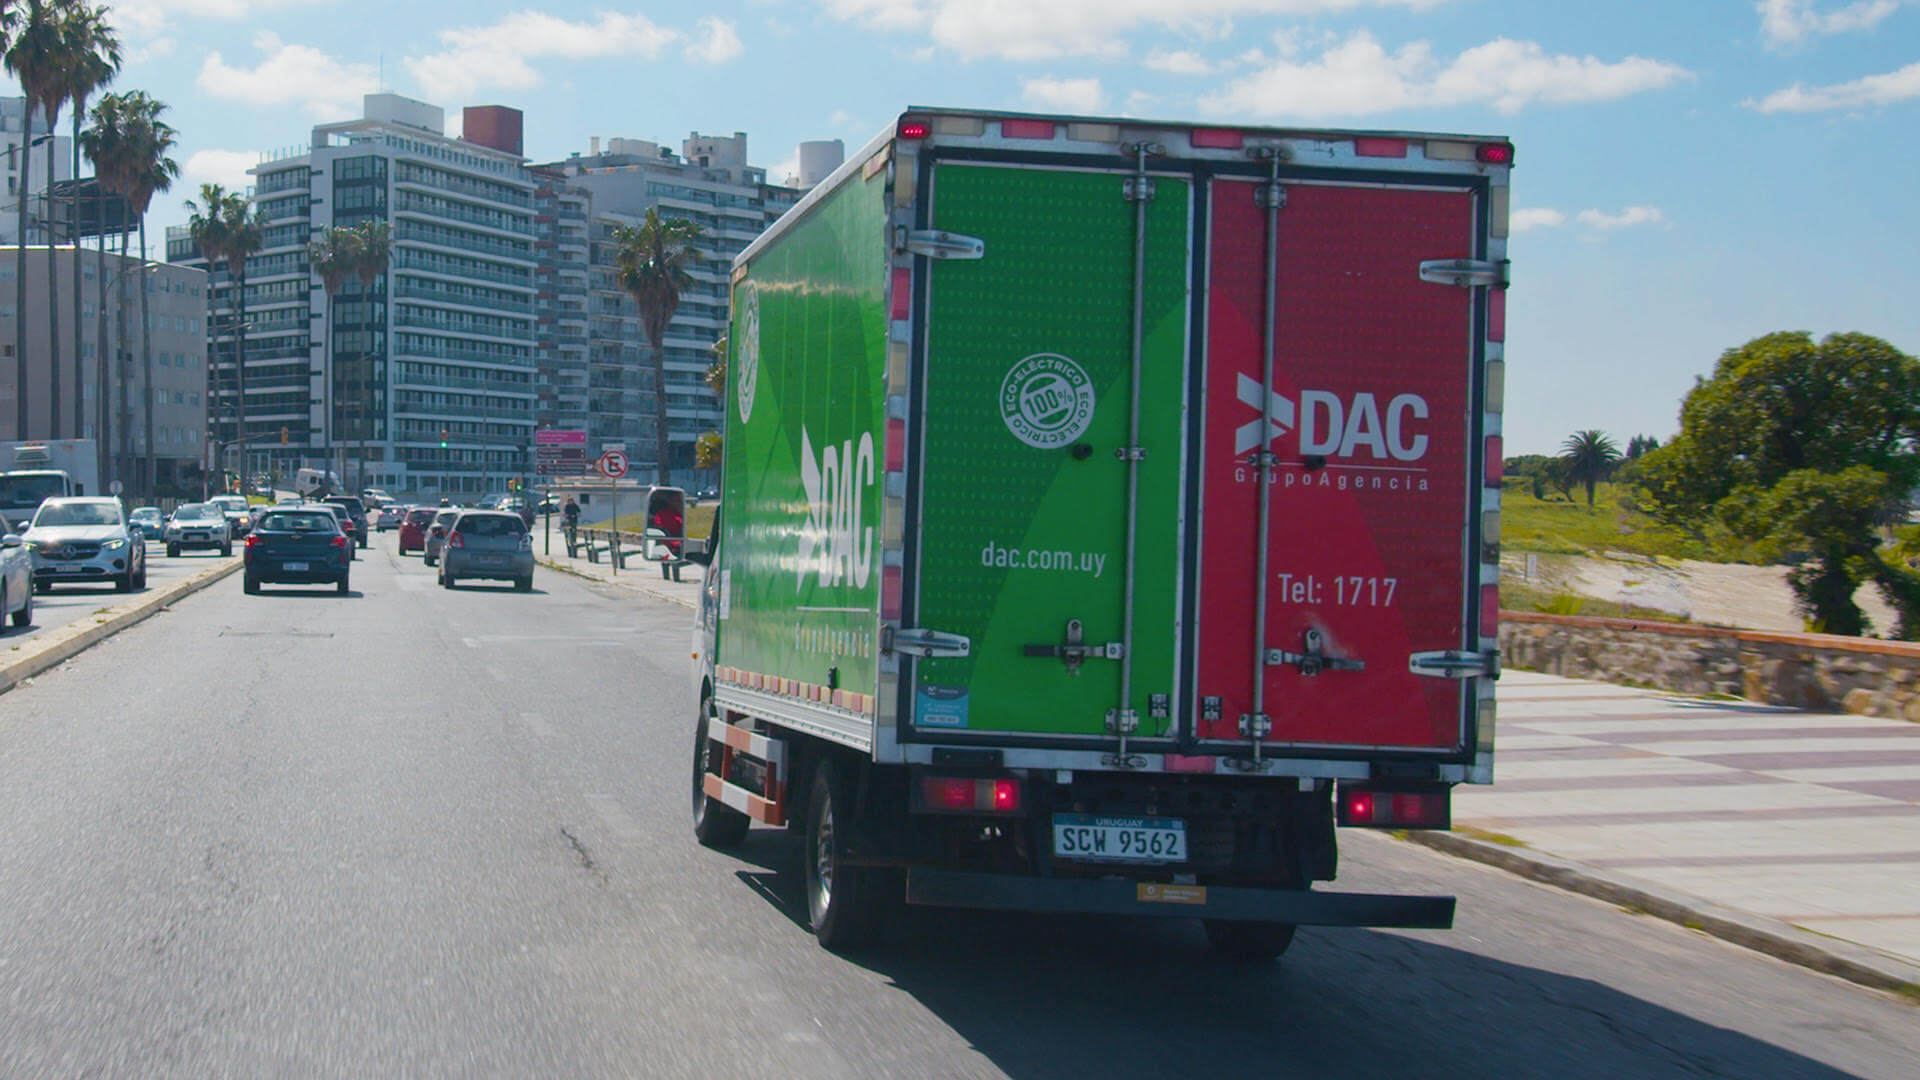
486,560
293,566
1119,839
69,569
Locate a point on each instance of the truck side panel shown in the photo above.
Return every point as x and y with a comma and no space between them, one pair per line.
1022,494
800,507
1372,431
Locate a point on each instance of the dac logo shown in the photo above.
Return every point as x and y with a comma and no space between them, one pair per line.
1336,427
833,543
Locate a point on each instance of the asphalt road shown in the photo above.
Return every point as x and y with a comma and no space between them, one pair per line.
69,602
432,833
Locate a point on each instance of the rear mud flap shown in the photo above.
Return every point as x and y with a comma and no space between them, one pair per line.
1002,892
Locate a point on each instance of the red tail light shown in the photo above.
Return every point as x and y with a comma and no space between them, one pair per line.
968,795
912,127
1388,808
1494,153
253,540
338,541
454,540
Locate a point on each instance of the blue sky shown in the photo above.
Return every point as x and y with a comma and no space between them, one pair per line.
1691,174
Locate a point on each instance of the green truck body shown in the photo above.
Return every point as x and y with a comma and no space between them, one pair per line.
989,512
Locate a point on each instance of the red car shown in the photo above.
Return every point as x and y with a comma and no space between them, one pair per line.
413,529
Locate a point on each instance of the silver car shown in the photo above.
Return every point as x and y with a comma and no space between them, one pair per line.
85,539
197,527
16,580
488,544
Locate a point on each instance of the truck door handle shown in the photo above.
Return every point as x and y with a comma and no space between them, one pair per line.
1313,660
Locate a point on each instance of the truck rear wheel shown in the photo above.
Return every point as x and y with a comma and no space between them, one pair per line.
715,824
845,903
1251,942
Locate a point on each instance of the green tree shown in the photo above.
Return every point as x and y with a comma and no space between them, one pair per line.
1589,457
1801,447
335,258
651,263
1639,445
108,144
151,170
227,230
94,56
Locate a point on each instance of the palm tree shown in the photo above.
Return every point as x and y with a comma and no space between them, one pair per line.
226,229
651,264
334,258
93,53
373,251
107,144
35,56
1589,457
151,170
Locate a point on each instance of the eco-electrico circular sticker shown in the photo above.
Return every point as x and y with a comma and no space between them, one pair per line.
1046,401
748,354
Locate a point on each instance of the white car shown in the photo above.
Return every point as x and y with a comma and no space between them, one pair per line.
85,540
16,580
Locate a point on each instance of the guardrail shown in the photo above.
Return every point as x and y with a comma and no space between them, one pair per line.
623,546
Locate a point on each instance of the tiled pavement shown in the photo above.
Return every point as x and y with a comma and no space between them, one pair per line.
1806,818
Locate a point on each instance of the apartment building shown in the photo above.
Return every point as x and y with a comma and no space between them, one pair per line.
14,135
164,396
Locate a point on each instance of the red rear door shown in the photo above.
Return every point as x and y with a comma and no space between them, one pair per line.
1371,428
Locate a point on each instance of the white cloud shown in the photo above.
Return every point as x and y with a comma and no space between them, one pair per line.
1788,22
290,75
1631,216
787,171
1064,95
498,55
1535,218
716,42
228,167
1139,102
139,18
1048,29
1358,76
1894,86
1181,62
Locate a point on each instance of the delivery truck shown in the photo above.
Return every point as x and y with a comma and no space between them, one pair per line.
1109,511
41,469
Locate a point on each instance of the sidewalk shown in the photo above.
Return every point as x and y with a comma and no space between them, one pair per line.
1800,826
639,577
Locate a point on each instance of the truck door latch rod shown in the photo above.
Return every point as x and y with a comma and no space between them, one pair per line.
1075,651
1313,660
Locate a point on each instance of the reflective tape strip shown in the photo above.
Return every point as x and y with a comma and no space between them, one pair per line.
762,810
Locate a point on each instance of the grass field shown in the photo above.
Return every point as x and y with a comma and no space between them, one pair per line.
1557,527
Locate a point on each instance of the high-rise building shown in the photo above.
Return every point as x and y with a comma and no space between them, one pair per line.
710,183
429,388
14,134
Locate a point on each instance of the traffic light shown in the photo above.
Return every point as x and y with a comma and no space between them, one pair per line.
443,438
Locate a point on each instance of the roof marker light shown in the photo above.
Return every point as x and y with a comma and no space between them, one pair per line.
913,127
1494,153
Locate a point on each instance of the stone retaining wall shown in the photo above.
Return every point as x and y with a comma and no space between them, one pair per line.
1810,671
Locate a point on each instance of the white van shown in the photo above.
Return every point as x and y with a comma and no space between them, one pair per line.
314,482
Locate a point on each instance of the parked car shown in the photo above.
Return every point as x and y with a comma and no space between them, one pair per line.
437,530
198,527
238,513
389,518
490,544
413,528
85,539
356,516
302,545
16,580
149,521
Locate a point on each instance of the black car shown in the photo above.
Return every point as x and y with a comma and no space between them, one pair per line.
356,513
298,545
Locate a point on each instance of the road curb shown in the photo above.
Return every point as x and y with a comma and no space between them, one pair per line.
65,643
671,598
1783,941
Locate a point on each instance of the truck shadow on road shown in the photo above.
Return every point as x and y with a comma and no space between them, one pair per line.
1080,996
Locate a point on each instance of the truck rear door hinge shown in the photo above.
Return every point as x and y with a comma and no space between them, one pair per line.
1466,273
1455,664
940,244
927,643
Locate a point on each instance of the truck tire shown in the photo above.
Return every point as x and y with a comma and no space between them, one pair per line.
1249,942
845,903
715,824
